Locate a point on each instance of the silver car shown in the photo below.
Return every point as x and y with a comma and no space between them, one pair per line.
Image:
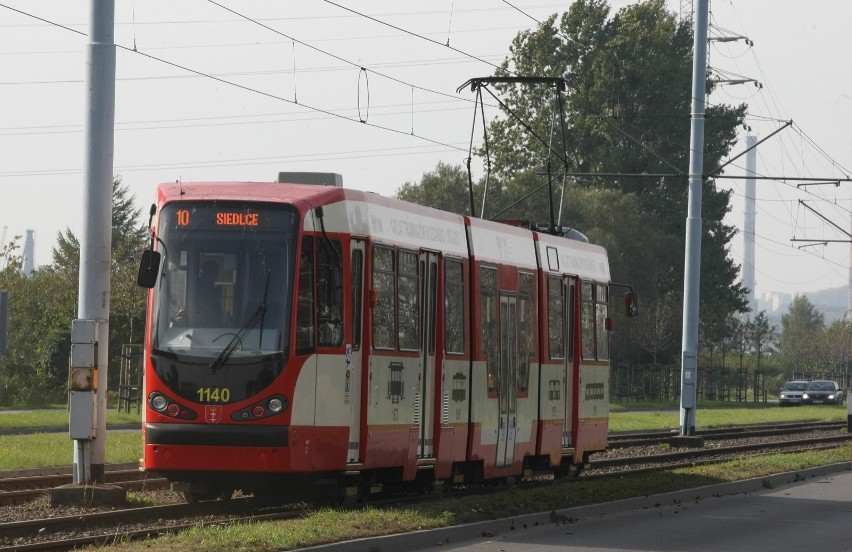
791,393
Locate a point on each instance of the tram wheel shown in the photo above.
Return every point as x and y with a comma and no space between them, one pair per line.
203,493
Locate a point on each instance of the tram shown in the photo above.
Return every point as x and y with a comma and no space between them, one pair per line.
300,332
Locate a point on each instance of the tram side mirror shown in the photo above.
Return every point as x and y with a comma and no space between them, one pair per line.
149,267
630,304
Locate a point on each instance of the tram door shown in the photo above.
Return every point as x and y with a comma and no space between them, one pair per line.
424,402
507,382
354,363
569,284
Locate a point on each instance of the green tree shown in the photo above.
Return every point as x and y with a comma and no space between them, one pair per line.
800,334
35,370
837,347
627,107
761,336
445,188
656,327
127,300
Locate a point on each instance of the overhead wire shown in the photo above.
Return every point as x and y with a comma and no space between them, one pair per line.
351,154
406,31
335,56
241,86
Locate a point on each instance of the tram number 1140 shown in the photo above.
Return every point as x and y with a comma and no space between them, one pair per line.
213,395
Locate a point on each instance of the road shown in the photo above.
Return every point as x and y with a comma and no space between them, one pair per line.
776,513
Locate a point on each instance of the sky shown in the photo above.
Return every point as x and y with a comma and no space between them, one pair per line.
226,90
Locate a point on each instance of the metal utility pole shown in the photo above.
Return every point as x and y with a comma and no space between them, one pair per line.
692,263
750,212
90,331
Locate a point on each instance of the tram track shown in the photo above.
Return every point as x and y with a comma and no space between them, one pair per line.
693,456
19,487
87,526
628,439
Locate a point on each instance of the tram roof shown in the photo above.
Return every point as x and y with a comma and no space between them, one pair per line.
300,195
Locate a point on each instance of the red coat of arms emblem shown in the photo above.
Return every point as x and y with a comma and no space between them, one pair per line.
212,414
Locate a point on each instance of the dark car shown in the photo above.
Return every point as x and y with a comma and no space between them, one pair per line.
791,393
823,392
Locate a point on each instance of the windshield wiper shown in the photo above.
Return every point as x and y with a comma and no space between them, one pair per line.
237,340
257,316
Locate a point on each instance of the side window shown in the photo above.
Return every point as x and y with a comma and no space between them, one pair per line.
432,304
305,307
409,304
555,317
526,320
488,323
587,320
329,293
454,306
357,296
601,300
572,312
384,309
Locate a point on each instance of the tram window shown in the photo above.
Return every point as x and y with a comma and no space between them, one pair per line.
601,299
572,309
555,317
454,306
432,301
329,293
384,330
357,296
526,321
409,304
488,324
214,296
588,320
176,290
305,306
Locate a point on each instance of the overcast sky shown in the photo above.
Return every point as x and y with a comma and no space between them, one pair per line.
279,86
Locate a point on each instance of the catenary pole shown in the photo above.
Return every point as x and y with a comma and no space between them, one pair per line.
90,331
749,225
692,262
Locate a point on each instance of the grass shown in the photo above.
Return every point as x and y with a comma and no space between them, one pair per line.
56,417
47,450
720,415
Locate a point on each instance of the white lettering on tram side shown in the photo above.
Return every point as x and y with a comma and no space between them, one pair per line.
421,231
376,225
504,248
580,263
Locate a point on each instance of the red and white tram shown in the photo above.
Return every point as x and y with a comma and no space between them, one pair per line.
300,333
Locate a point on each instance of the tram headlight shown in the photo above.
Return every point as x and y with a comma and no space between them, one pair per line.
158,402
275,405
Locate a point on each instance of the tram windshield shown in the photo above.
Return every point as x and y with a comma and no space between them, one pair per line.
224,293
